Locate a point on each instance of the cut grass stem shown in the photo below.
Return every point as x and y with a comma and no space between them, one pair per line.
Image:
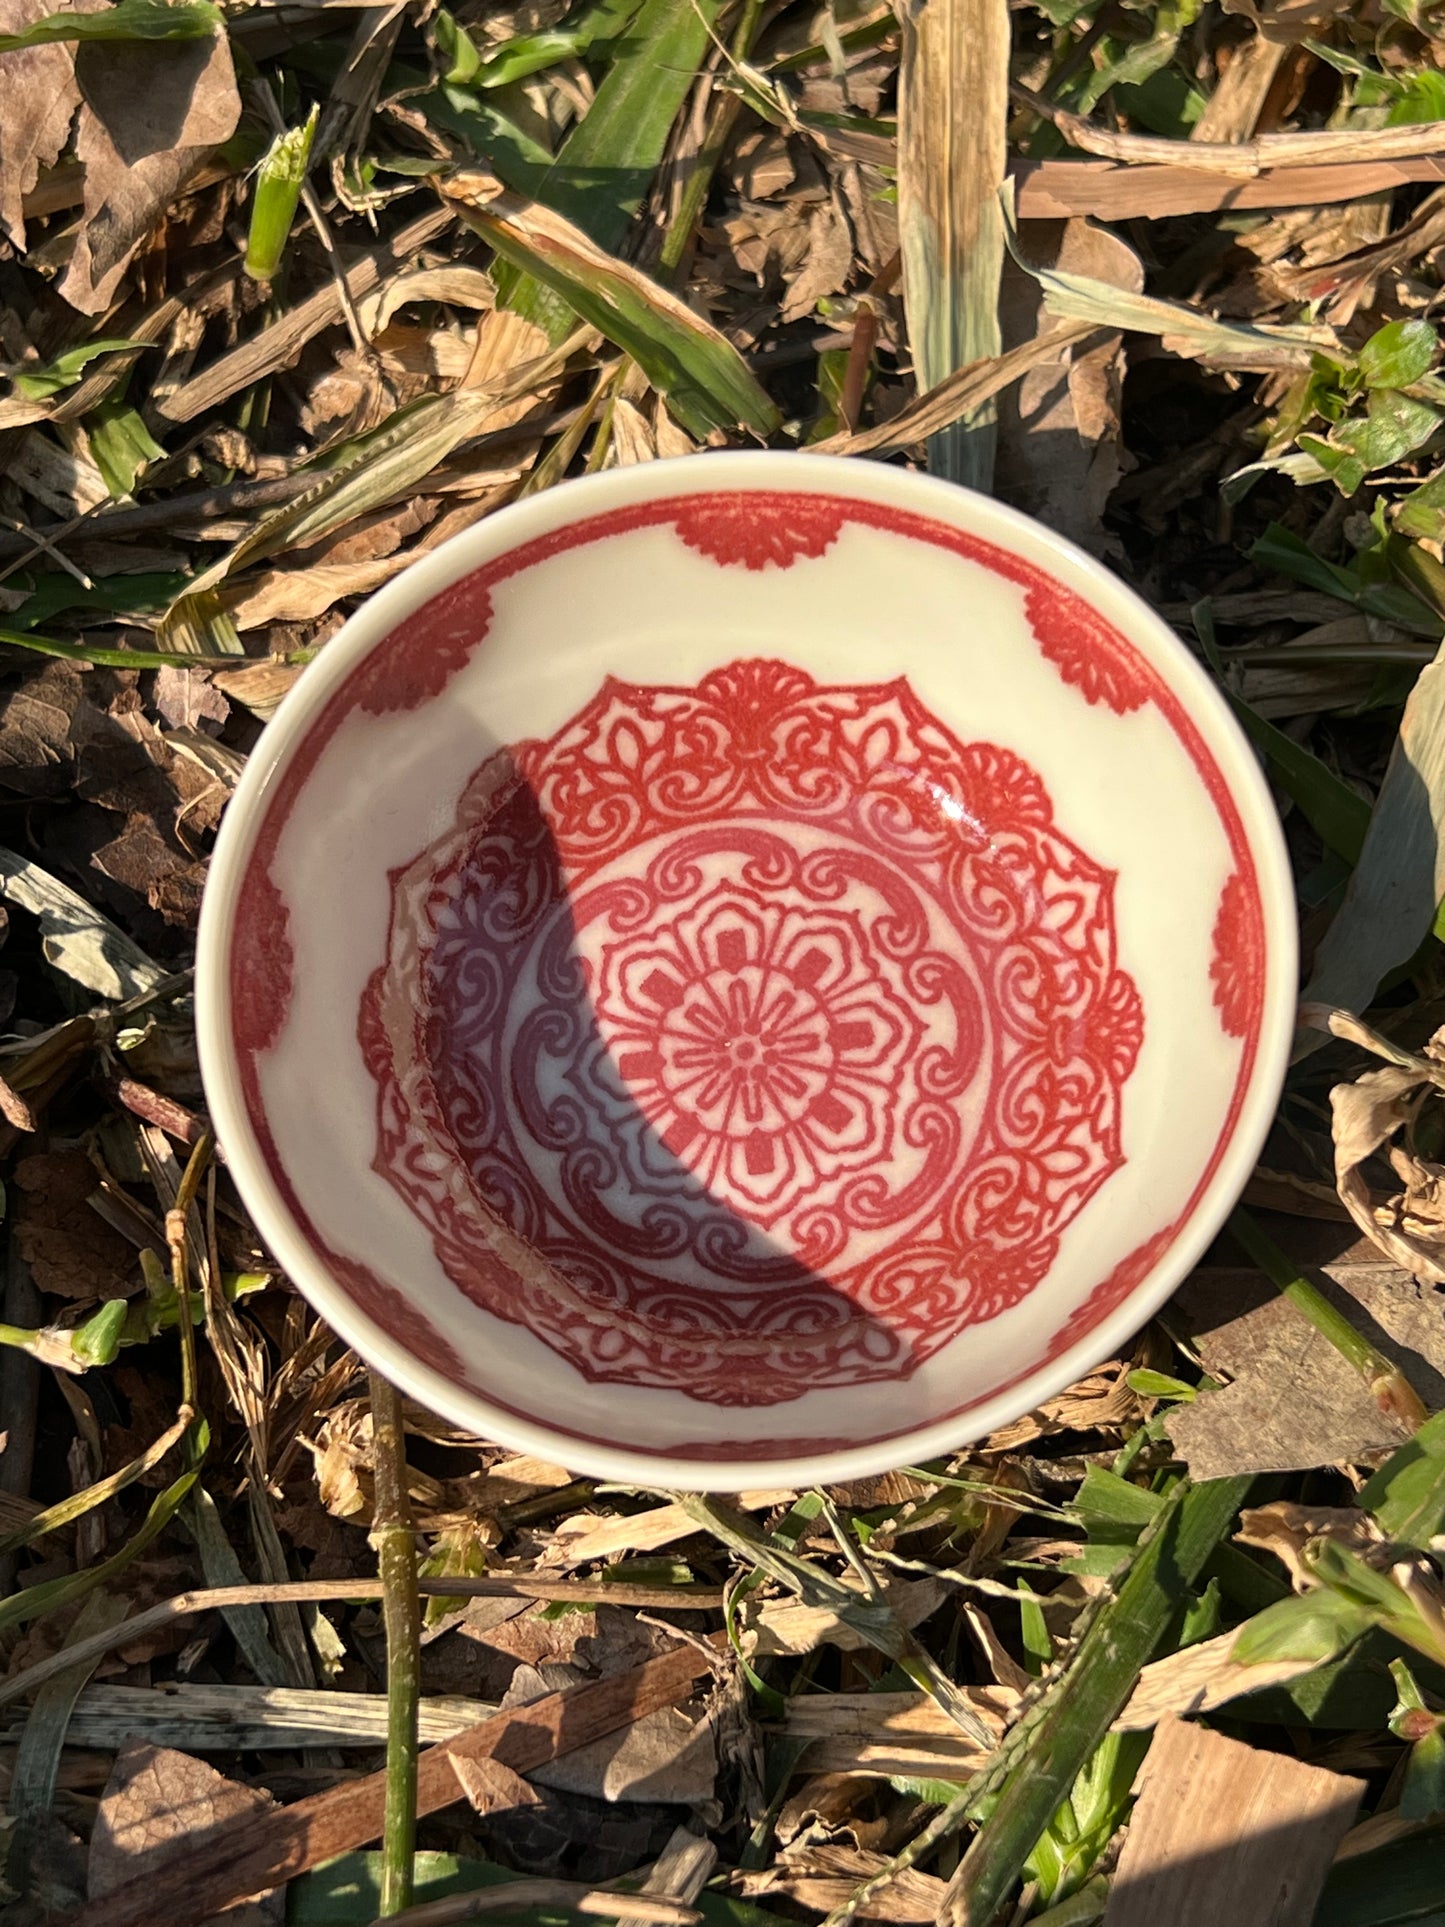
391,1534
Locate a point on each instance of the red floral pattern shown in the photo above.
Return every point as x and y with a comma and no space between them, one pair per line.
762,1043
422,654
262,961
769,1036
759,530
397,677
1237,971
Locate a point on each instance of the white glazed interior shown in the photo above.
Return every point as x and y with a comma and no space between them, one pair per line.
649,610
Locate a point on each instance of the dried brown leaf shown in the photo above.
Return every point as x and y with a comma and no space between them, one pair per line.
491,1787
783,1626
70,1248
458,285
1059,446
826,1877
302,594
38,99
259,687
825,266
762,165
1286,1528
154,1807
1364,1116
185,699
154,110
1198,1679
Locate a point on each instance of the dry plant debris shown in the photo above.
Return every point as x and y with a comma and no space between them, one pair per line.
288,296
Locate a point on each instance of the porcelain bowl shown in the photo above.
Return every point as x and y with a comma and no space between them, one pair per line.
746,970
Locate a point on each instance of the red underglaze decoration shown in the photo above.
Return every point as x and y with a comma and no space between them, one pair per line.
752,1038
760,530
1086,650
1126,1276
1238,967
422,654
399,676
262,962
395,1313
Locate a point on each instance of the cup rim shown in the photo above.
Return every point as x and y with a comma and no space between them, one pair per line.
578,501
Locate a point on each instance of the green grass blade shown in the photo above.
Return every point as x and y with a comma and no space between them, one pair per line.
1407,1494
705,380
128,20
1339,814
278,190
606,164
1398,1882
1050,1746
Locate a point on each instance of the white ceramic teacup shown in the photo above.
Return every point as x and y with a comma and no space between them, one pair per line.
746,970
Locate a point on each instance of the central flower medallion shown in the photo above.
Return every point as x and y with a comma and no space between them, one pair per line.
751,1038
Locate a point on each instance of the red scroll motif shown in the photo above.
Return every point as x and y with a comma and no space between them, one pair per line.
752,1038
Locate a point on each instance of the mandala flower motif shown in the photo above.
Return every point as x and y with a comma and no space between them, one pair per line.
775,1077
751,1049
760,530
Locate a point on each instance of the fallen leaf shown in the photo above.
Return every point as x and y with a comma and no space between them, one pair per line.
70,1248
824,1812
259,687
38,99
782,1626
159,1807
762,165
825,266
1224,1831
458,286
826,1877
1199,1679
153,112
185,699
1059,446
301,594
1285,1529
1364,1116
1294,1401
491,1787
37,754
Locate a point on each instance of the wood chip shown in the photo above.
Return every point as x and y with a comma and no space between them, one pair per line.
1295,1402
1198,1679
1226,1832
